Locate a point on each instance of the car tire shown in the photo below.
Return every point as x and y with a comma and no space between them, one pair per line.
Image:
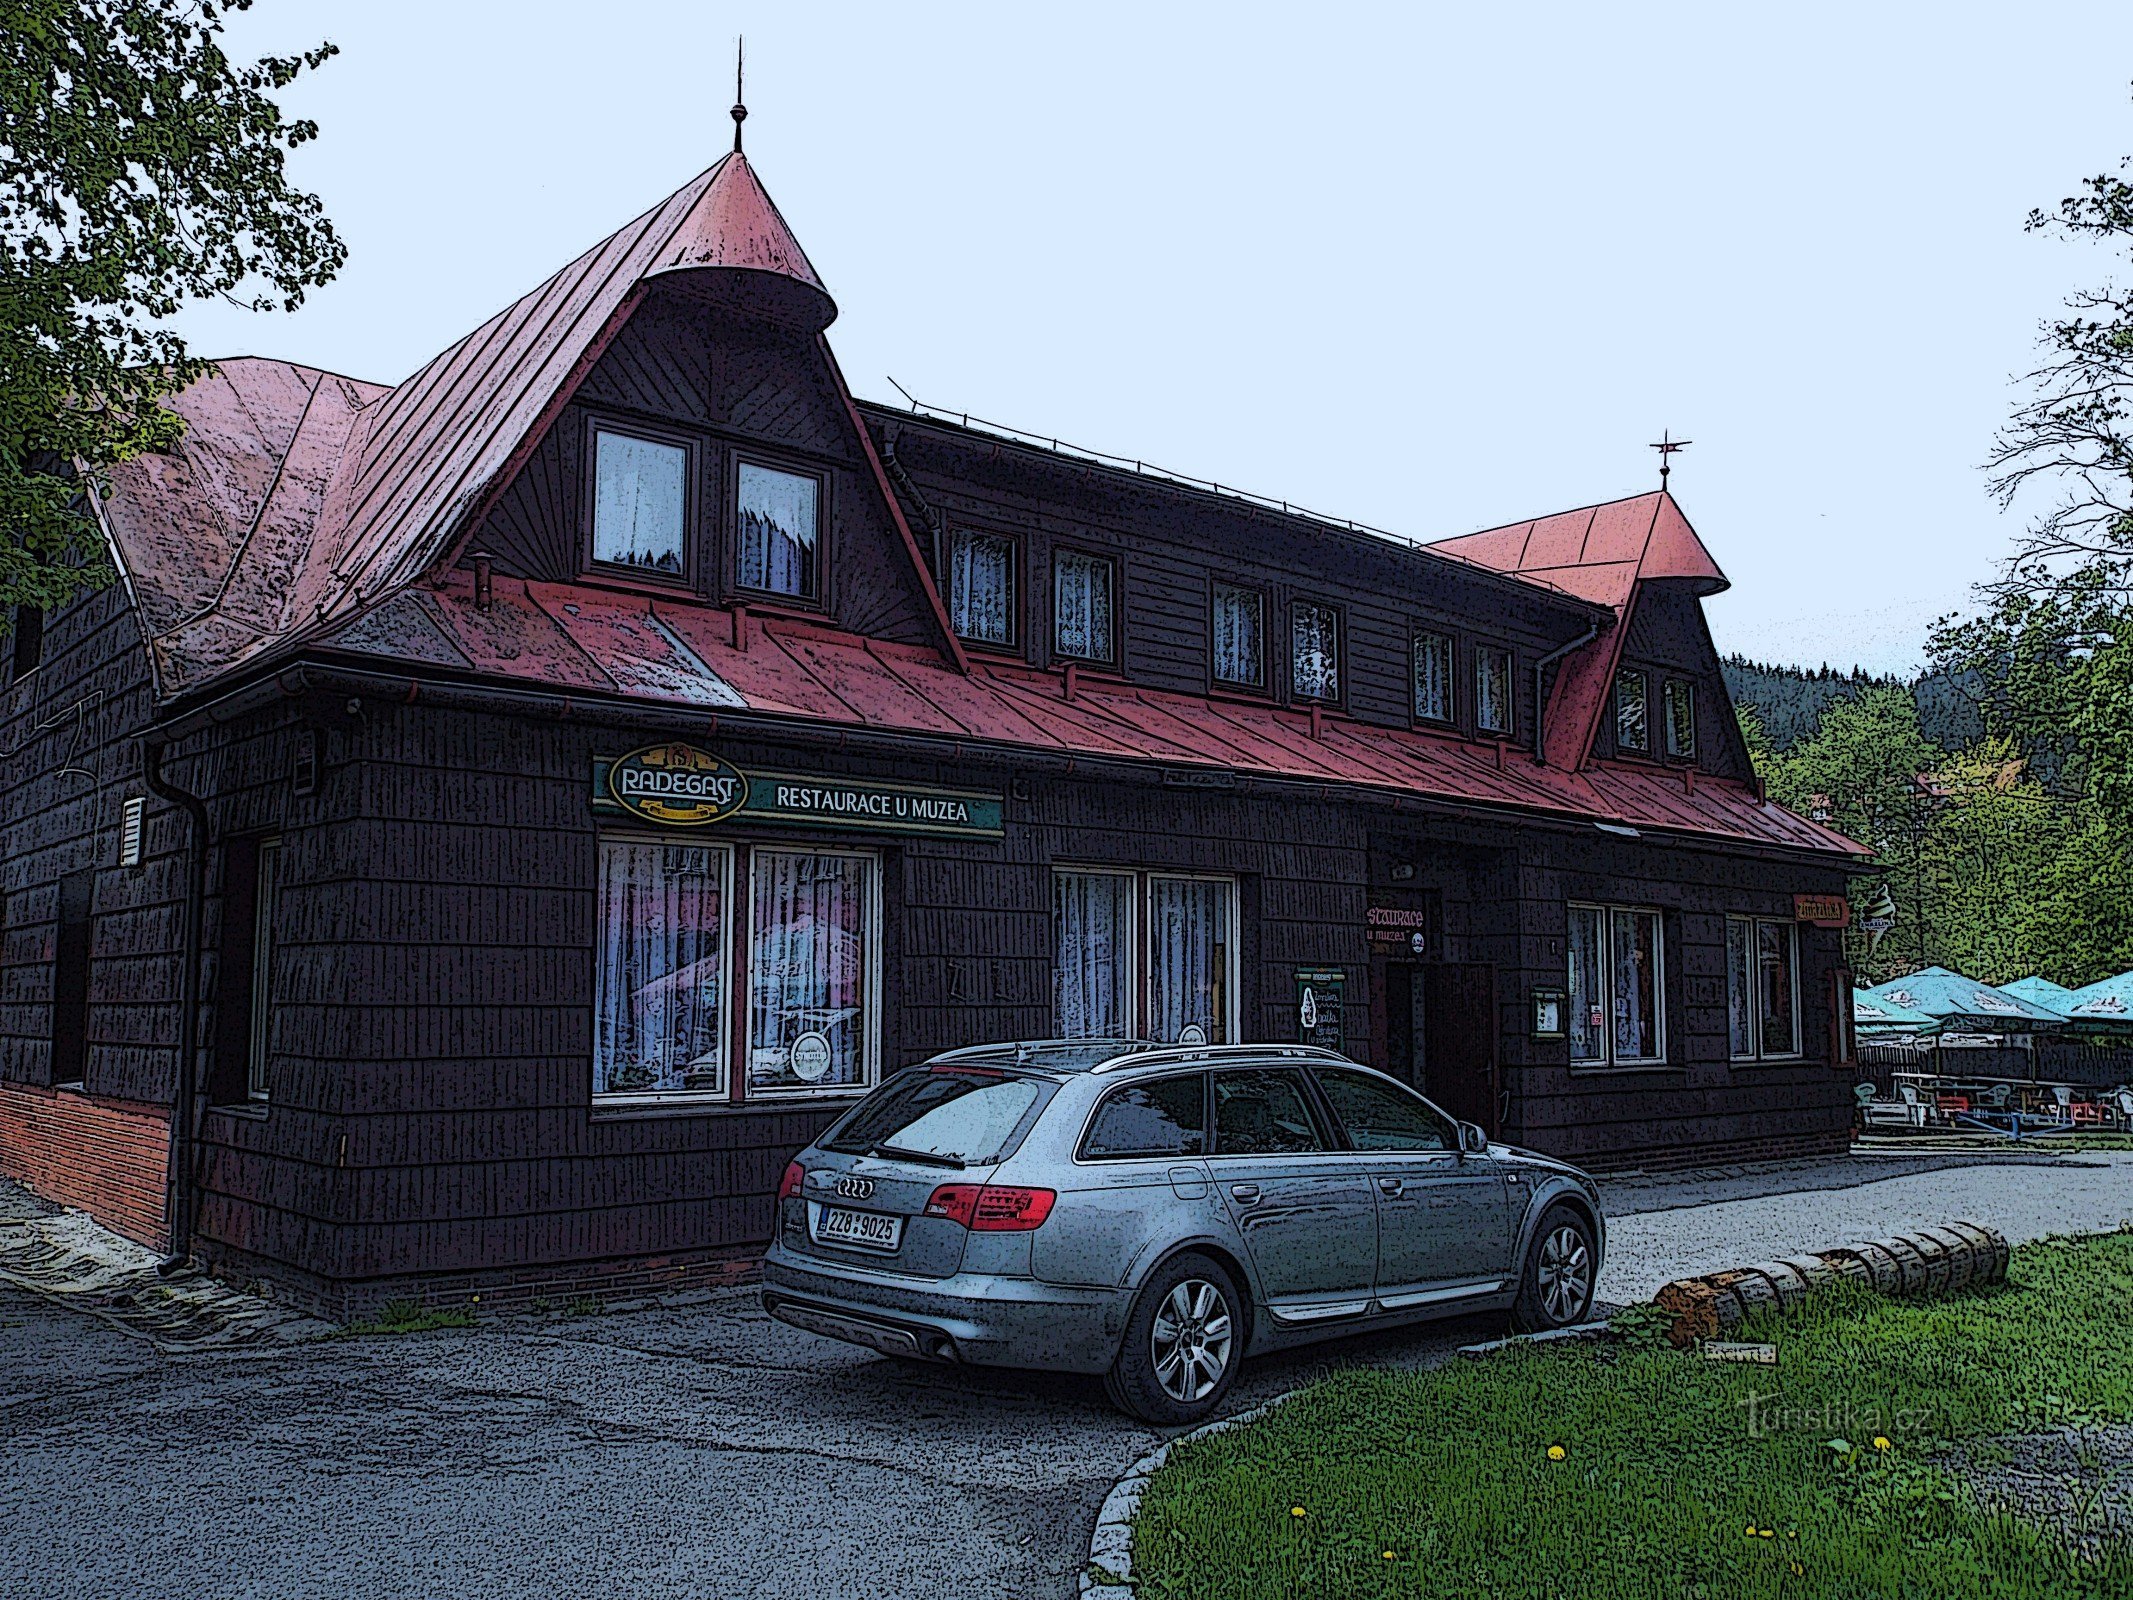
1555,1285
1184,1342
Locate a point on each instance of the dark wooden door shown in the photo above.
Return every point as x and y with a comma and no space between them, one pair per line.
1399,1019
70,979
1458,1054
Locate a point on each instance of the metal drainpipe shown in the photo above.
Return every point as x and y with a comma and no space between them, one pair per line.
180,1186
1540,709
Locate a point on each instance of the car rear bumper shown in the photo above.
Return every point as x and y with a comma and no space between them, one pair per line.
975,1317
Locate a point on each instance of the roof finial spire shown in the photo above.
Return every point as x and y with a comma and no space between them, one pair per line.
740,111
1666,447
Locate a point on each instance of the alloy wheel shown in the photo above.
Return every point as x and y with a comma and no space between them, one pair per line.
1189,1342
1565,1275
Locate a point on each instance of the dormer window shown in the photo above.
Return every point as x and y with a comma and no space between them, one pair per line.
1240,637
981,587
1314,652
640,502
1680,718
1633,720
1492,689
779,543
1082,607
1433,677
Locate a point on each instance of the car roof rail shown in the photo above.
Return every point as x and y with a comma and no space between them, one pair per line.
1178,1055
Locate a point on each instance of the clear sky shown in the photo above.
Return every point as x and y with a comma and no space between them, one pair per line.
1433,267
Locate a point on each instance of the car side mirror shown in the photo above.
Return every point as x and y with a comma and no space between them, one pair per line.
1472,1141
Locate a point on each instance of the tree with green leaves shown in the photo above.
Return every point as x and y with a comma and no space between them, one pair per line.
140,170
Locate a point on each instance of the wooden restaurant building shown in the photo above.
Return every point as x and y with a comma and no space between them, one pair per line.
507,813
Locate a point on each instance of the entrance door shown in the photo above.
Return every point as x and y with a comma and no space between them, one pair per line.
70,979
1458,1052
1405,1035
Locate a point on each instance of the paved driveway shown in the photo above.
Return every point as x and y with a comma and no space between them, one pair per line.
703,1450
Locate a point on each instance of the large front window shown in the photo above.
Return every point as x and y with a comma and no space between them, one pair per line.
1144,955
810,978
1762,988
640,501
670,918
1617,983
659,1022
780,547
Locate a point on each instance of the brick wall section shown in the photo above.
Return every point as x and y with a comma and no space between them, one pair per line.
106,1157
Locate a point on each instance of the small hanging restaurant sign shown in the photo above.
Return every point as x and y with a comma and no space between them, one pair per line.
679,785
1822,910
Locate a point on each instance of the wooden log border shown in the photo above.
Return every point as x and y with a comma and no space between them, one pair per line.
1925,1262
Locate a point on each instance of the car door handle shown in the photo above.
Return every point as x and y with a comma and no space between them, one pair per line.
1246,1192
1392,1185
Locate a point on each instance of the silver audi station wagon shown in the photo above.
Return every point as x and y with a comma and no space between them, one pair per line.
1155,1214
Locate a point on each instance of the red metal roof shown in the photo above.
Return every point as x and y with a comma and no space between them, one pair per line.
578,638
1603,553
298,498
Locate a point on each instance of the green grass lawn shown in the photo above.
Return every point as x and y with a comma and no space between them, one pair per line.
1443,1483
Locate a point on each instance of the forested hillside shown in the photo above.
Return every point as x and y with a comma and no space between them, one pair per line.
1790,701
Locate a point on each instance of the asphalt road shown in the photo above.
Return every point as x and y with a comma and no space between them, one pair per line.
702,1450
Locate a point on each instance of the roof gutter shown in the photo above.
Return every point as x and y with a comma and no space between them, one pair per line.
1540,706
665,719
180,1189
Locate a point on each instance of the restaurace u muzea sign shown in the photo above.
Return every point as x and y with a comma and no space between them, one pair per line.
683,786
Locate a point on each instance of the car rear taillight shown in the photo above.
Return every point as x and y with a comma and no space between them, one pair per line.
789,1185
992,1207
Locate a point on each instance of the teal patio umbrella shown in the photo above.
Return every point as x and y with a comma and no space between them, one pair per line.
1963,1005
1875,1018
2103,1008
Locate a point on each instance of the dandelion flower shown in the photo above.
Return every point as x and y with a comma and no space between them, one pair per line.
1298,1511
1556,1452
1881,1441
1389,1555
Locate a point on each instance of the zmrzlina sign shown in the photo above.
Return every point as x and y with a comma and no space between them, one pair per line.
677,784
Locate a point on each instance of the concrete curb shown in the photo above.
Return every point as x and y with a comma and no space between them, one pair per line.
1111,1545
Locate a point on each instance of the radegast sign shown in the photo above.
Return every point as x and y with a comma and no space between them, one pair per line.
679,785
676,784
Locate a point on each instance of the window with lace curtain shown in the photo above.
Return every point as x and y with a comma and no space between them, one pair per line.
981,587
1433,677
1314,652
659,1013
1144,955
1617,973
674,918
779,538
1240,637
1492,689
1083,605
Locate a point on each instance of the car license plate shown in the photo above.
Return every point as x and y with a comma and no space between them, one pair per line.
868,1230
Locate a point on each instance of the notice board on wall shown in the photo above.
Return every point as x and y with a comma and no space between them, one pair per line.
1319,995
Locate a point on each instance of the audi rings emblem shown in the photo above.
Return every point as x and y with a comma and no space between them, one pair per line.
855,1189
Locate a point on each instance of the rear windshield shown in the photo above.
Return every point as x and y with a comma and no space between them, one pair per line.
974,1116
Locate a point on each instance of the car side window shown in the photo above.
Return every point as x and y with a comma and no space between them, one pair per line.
1264,1113
1382,1116
1163,1117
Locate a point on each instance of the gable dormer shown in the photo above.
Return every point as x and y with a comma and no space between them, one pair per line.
1649,687
710,449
